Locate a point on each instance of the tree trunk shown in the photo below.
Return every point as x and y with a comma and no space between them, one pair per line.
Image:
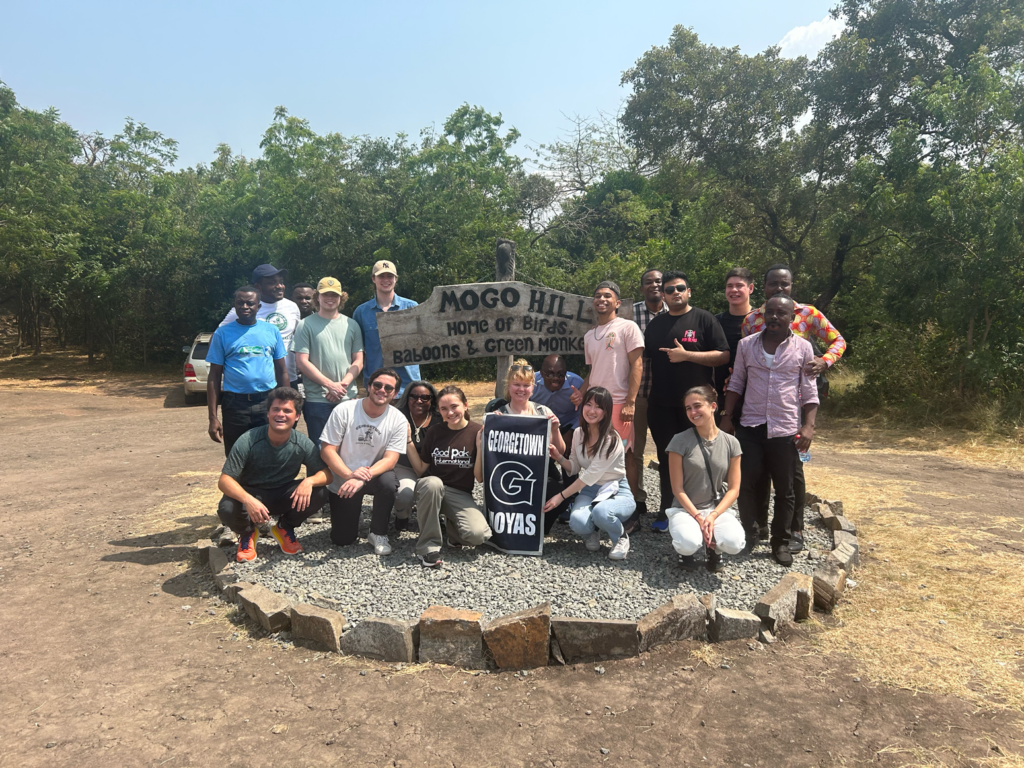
835,280
505,269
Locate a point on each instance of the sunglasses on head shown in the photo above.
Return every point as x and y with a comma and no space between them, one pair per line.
379,385
516,368
670,289
422,398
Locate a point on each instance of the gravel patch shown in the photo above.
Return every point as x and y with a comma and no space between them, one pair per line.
577,583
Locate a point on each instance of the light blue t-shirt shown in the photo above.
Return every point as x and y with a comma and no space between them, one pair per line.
247,353
373,356
559,401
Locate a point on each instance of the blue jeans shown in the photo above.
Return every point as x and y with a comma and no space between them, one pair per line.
607,515
316,416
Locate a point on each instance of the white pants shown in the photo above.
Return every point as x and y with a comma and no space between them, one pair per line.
687,537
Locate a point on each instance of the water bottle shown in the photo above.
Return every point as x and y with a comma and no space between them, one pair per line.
805,456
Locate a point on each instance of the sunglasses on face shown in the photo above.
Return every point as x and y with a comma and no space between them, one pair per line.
378,385
670,289
515,368
422,398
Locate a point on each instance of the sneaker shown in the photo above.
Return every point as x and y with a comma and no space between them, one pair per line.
247,547
783,556
593,541
796,542
712,561
660,526
431,559
401,524
289,544
762,533
630,525
380,544
621,548
687,563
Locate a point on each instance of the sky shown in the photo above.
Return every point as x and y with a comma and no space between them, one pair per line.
213,72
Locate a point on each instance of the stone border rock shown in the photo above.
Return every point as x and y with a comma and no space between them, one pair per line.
534,638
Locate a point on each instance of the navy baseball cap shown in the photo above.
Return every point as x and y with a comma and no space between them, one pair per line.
267,270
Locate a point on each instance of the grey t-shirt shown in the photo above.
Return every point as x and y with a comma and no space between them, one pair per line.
362,441
255,463
331,345
695,474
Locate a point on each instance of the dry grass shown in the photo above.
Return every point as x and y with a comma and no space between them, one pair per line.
924,570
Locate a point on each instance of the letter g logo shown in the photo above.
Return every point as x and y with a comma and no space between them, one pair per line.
512,483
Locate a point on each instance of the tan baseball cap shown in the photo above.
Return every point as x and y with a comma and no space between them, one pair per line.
329,285
384,266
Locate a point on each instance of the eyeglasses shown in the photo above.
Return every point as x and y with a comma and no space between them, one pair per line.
670,289
516,368
388,389
421,398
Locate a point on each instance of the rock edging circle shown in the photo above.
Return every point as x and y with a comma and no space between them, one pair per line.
534,638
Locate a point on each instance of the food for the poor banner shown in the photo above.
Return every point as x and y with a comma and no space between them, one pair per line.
515,481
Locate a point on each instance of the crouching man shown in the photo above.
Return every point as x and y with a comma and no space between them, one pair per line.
258,478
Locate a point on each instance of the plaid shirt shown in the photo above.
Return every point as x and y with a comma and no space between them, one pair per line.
808,323
642,316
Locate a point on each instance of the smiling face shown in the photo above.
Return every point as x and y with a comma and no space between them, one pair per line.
419,400
737,291
651,287
329,301
606,303
382,389
453,410
592,412
700,412
553,371
281,416
520,389
271,288
385,282
304,298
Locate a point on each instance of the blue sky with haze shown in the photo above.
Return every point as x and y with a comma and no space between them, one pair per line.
206,73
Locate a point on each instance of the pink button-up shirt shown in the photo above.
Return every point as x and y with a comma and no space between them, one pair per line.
774,396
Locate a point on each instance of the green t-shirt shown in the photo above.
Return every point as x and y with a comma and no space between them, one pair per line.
255,463
331,345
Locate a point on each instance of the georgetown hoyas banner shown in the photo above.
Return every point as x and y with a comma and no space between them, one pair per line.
515,481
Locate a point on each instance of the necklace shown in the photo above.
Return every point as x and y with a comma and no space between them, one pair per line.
709,441
606,330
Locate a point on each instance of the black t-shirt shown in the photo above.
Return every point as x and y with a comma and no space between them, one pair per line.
732,325
697,331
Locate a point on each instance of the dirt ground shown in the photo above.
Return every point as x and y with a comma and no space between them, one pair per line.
114,654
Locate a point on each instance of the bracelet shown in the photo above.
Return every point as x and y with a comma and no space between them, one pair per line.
562,494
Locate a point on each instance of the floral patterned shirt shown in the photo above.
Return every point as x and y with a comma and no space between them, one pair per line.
808,323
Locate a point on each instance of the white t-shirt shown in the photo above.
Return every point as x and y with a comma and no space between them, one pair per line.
361,440
283,315
607,350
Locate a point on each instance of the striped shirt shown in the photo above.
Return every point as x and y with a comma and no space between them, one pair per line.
774,396
642,316
808,323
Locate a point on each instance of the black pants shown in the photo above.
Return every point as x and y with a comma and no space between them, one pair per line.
277,501
777,458
555,485
345,512
799,498
240,413
665,423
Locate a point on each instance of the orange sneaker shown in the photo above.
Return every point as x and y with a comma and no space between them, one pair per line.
289,544
247,546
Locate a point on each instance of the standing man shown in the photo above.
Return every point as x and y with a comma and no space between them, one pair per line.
250,356
613,350
275,309
780,405
329,353
684,345
384,277
302,295
811,324
258,479
361,445
653,304
739,284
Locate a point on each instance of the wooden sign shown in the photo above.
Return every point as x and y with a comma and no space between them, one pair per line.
460,322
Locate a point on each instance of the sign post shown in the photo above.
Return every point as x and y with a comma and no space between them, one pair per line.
515,465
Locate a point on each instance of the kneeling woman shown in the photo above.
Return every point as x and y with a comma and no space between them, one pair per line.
599,457
704,465
447,462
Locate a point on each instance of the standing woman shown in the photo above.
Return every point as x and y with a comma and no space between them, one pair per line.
419,406
599,457
519,384
704,467
447,463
